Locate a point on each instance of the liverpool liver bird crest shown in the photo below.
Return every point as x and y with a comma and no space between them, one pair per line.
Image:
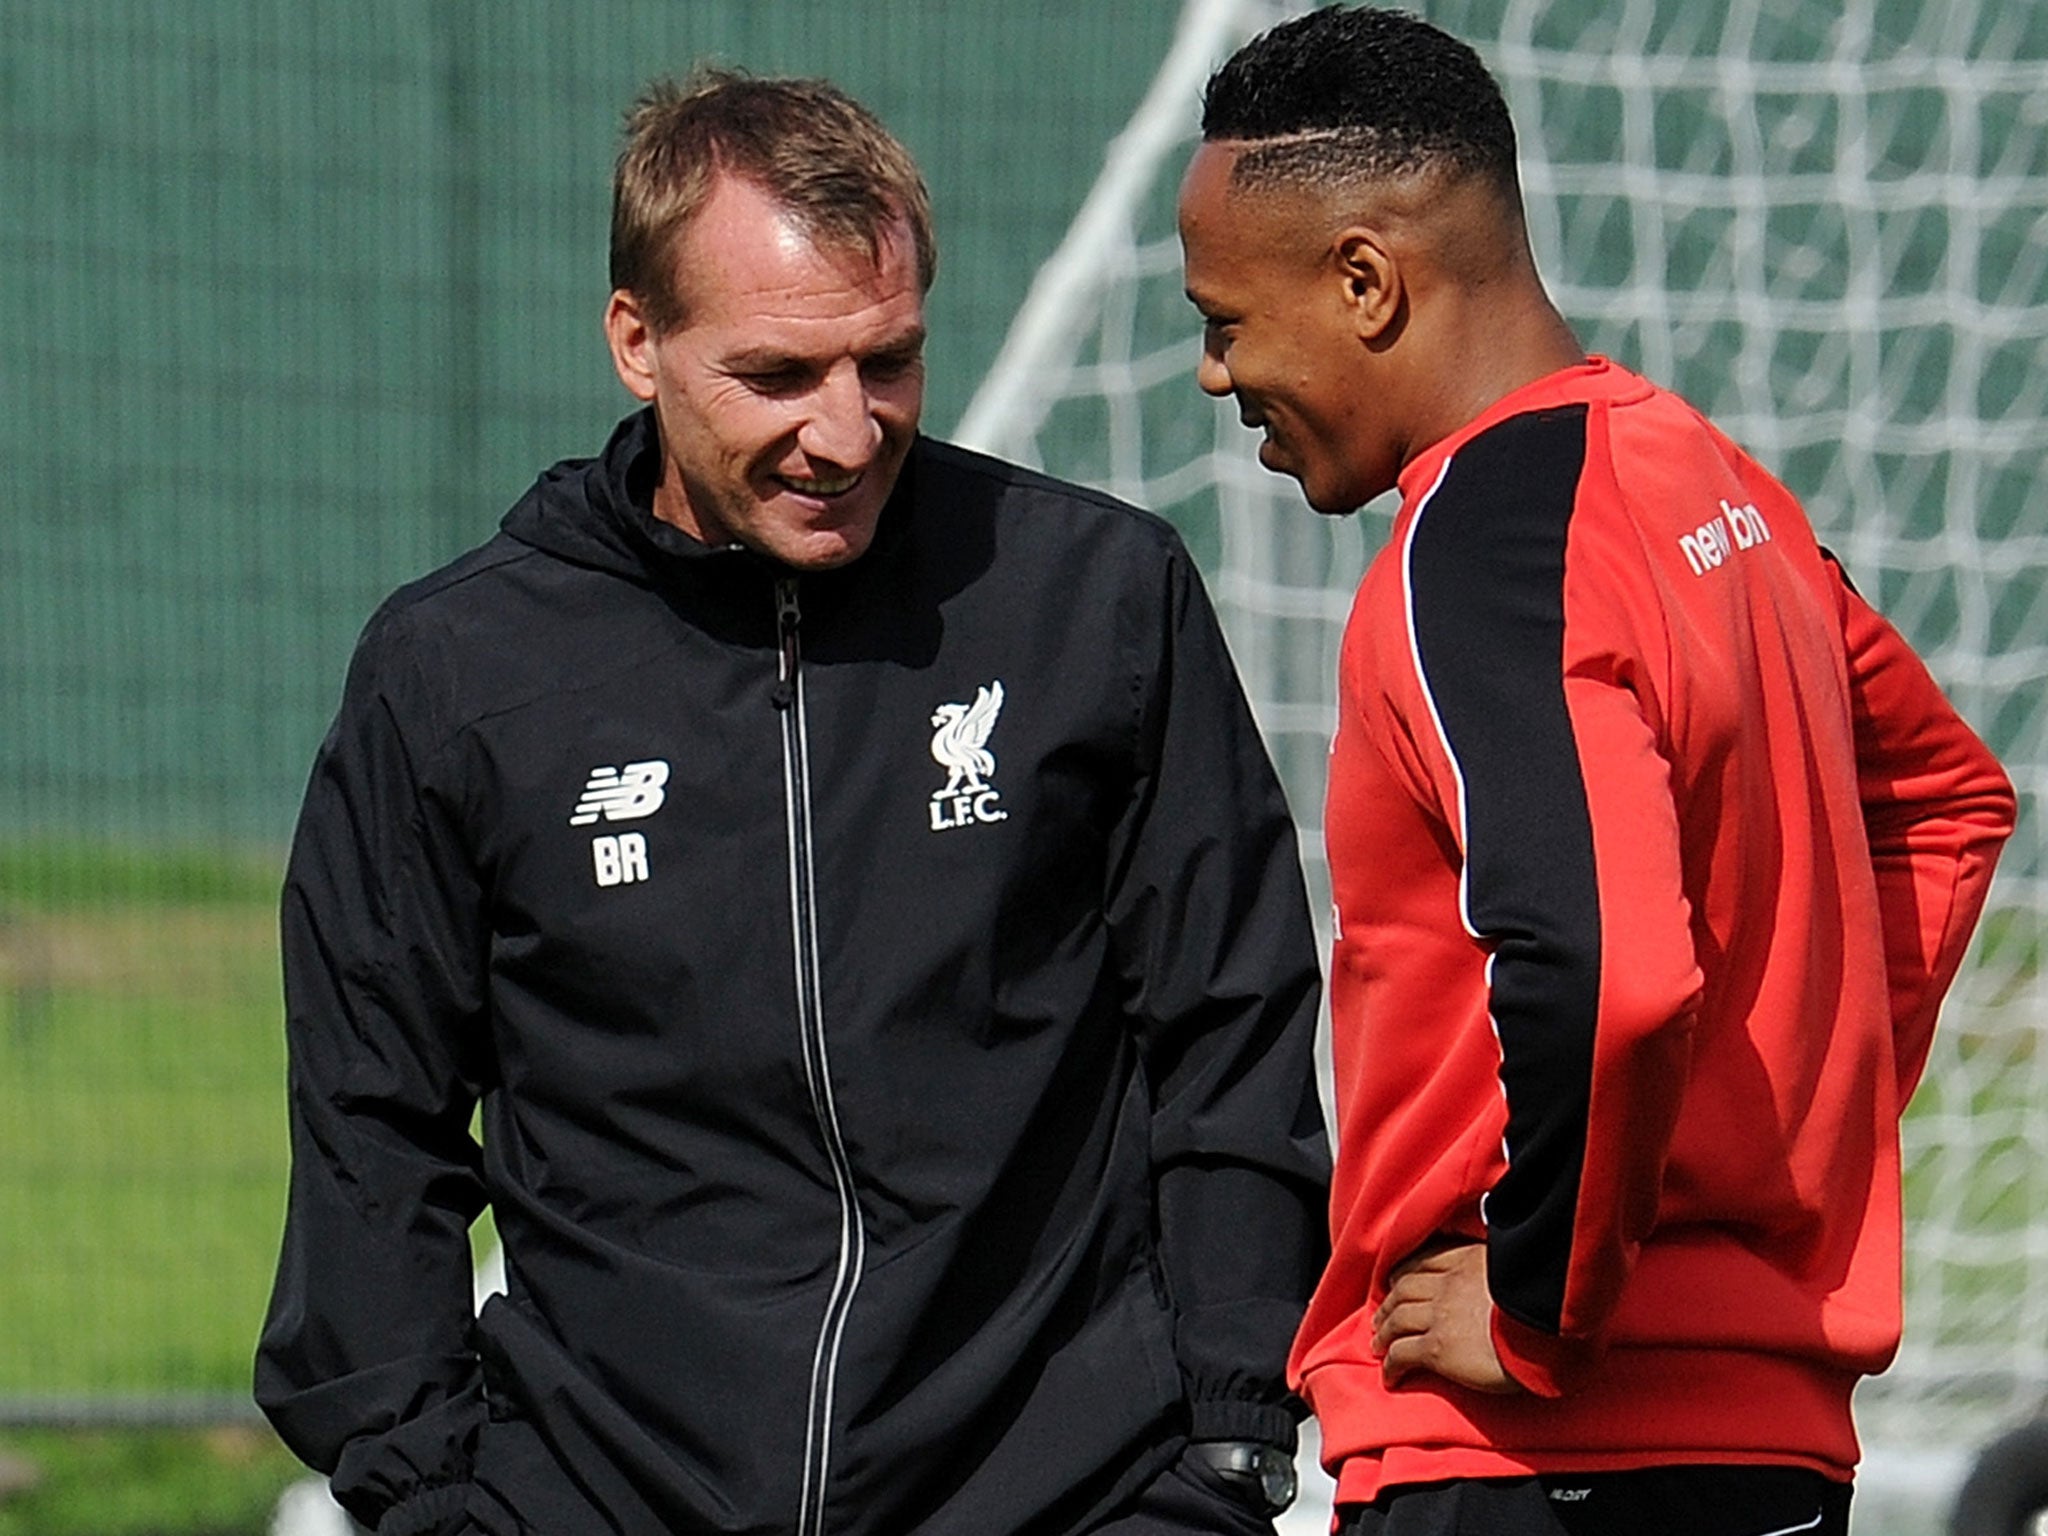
960,742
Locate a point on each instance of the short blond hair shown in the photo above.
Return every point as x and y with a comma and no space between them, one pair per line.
819,153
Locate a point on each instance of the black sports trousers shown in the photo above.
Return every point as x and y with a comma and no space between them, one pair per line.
1651,1501
1185,1500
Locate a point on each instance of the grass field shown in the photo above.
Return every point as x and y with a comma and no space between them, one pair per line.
223,1481
142,1142
142,1163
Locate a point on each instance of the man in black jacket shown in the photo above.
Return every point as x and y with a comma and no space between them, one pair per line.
846,871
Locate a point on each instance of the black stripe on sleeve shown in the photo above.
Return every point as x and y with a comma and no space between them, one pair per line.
1486,590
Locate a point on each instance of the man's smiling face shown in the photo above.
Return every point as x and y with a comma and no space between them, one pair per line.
790,393
1280,334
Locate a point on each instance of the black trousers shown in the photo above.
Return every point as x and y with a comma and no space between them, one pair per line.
1184,1500
1651,1501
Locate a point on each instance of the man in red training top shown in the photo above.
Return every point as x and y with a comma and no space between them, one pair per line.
1653,848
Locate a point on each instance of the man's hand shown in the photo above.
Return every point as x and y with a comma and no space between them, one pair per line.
1437,1318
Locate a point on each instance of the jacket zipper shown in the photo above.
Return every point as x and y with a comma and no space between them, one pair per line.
796,785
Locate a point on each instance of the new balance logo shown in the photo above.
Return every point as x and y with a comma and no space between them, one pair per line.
960,746
621,794
1711,544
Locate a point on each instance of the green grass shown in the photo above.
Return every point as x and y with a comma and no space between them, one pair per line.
142,1169
221,1482
45,874
143,1162
142,1145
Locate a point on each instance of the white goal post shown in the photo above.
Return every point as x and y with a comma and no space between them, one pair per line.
1826,223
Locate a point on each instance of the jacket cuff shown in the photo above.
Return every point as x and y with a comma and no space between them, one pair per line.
1226,1418
432,1512
1543,1363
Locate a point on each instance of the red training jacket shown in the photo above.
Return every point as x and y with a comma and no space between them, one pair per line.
1654,849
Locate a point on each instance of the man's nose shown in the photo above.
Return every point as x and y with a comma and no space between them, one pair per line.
842,428
1211,376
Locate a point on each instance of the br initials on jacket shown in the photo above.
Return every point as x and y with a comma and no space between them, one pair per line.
1708,546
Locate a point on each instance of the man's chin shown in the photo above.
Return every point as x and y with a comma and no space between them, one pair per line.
1332,504
1317,497
823,560
822,549
1323,494
1272,458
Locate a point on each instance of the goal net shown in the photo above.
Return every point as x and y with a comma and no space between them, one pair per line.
1825,222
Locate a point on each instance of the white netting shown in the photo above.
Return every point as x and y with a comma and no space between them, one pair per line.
1826,223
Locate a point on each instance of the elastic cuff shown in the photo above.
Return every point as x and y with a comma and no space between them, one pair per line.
427,1513
1542,1363
1225,1418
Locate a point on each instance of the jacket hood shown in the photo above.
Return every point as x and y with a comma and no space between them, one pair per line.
600,511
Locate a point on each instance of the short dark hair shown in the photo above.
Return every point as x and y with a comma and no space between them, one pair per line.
1349,92
819,153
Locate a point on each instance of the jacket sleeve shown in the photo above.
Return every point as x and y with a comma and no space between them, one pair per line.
1936,807
364,1365
1211,927
1562,811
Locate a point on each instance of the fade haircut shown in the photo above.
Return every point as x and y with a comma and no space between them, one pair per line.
822,156
1356,93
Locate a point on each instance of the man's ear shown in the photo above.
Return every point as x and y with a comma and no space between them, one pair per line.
632,342
1371,274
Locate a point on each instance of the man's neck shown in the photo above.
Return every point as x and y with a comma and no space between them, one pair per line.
1482,352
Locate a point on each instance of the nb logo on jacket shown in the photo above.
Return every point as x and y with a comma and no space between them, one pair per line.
621,794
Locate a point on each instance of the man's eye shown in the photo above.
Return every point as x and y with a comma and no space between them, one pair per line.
773,381
893,366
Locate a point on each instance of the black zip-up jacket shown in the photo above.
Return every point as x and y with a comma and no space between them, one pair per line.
890,994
